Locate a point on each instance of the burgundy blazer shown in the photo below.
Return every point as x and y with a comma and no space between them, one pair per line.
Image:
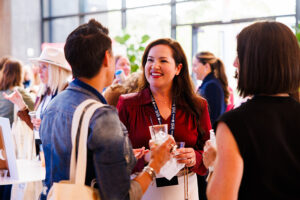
135,111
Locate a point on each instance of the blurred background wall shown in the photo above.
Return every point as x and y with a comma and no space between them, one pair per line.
199,25
20,28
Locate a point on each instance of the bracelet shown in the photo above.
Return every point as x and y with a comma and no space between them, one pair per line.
150,171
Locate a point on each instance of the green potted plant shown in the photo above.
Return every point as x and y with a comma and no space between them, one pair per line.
134,48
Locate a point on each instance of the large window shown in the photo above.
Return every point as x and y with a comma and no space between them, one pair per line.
199,25
65,24
142,3
111,20
160,18
63,7
153,21
96,5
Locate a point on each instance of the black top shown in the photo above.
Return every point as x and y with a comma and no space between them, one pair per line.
267,131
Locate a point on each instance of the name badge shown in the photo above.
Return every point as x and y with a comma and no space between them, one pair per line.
162,182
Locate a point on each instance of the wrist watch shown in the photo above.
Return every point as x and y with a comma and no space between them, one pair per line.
150,171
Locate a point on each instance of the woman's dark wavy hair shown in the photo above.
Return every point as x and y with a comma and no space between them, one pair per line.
218,69
182,89
269,57
11,74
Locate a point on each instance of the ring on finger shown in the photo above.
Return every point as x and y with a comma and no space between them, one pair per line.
172,147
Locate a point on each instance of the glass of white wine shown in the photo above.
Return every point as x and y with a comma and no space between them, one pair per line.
159,133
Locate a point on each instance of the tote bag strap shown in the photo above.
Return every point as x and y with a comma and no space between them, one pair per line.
75,124
82,147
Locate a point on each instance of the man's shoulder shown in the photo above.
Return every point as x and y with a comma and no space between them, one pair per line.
68,101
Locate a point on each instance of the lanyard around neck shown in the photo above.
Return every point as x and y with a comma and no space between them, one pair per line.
158,116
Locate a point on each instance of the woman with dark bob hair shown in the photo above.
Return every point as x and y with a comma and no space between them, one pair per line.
167,96
258,143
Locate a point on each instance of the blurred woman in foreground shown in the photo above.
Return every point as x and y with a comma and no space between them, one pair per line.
258,143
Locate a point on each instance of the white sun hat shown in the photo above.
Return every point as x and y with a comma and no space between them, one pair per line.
53,56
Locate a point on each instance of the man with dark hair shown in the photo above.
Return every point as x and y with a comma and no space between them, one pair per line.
91,41
110,157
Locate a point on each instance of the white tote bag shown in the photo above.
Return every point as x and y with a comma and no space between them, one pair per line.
75,189
25,149
24,140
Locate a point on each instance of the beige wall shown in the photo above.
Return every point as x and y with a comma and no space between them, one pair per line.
5,28
20,28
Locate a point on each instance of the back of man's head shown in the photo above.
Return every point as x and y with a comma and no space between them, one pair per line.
85,49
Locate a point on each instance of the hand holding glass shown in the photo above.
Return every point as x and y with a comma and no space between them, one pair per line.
159,133
35,120
36,123
32,115
179,145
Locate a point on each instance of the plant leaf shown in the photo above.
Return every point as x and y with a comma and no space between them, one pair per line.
126,37
120,39
134,68
131,47
145,38
132,58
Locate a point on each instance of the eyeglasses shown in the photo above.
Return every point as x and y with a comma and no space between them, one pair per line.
43,66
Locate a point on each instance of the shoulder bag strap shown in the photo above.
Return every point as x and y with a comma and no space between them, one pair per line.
75,123
82,147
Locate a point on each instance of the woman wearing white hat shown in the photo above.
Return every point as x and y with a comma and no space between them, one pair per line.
54,72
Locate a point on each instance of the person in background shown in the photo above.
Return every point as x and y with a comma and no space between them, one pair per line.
122,63
258,154
27,76
166,83
54,72
214,87
36,80
131,84
11,80
122,67
230,103
110,157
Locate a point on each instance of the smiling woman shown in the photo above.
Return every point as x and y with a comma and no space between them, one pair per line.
160,69
167,96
